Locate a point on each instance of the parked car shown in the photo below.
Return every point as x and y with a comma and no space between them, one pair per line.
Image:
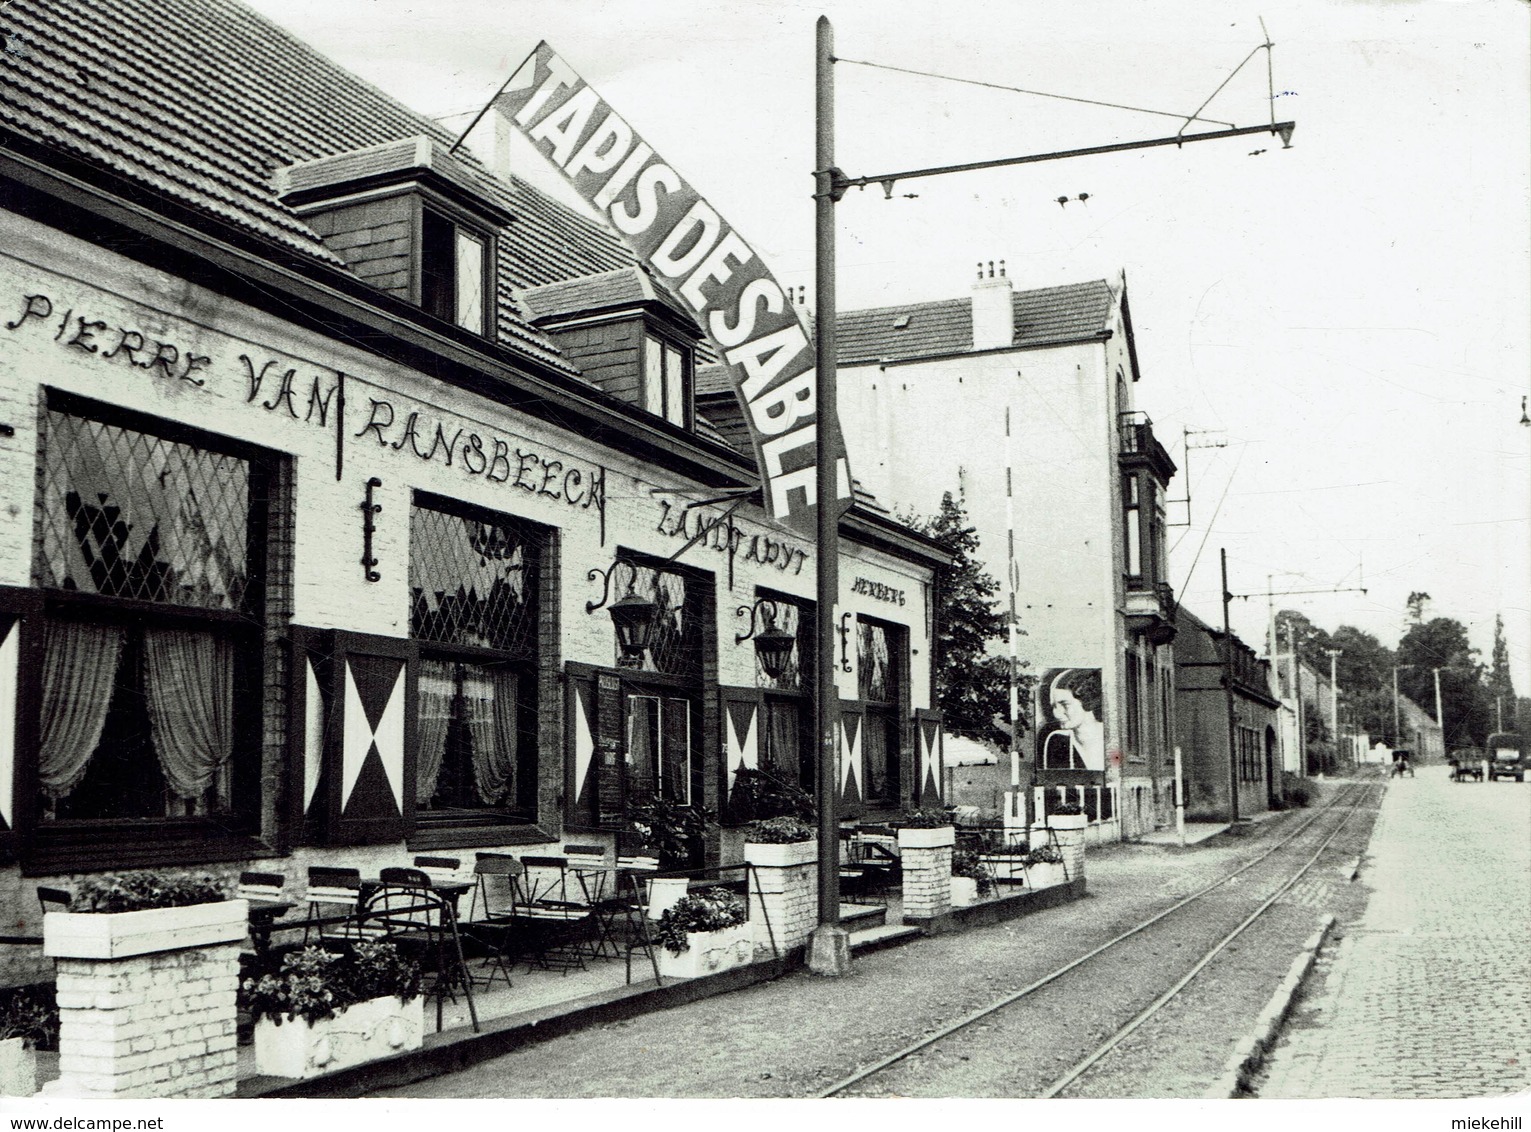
1506,756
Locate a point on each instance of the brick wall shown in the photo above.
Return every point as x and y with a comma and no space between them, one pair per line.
157,1025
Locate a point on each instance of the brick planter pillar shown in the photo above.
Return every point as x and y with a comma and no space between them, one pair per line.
1069,829
787,879
925,858
147,1001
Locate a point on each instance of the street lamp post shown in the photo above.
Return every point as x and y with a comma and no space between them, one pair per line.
1397,729
1440,719
1334,697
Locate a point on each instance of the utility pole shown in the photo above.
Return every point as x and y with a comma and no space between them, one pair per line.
1440,719
1233,766
1302,721
829,950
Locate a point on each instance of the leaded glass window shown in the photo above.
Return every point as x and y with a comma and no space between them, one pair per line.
473,581
129,514
675,636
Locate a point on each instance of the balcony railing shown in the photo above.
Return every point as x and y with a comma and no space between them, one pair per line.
1137,442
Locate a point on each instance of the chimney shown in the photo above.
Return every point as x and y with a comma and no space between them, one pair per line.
993,316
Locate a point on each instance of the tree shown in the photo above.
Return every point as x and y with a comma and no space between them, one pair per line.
1501,689
1442,643
972,684
1417,602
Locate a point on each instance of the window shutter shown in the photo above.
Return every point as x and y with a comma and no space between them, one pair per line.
352,755
930,773
741,743
851,771
20,692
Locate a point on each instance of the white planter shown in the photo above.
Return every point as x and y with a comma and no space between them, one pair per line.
1045,874
938,838
118,935
379,1027
708,953
1067,821
1005,866
964,891
781,855
18,1069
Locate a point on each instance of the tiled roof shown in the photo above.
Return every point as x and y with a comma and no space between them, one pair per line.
623,287
1049,316
203,100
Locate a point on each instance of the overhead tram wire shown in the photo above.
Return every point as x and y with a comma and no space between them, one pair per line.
1041,93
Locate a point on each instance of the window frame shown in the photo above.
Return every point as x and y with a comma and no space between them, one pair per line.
891,713
800,697
428,209
81,844
666,347
529,663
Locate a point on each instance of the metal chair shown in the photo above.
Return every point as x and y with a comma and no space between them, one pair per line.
661,894
260,886
406,910
54,899
333,892
491,914
552,910
442,868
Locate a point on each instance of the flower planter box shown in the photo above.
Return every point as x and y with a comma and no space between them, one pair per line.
708,953
964,891
781,854
1008,868
1045,874
940,837
118,935
18,1069
366,1031
1067,821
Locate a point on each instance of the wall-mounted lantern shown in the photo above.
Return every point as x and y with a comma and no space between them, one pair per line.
773,645
632,615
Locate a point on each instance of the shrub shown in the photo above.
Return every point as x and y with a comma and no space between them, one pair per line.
1044,855
31,1014
966,863
785,830
1066,809
314,984
927,817
704,911
668,830
137,891
758,795
1297,791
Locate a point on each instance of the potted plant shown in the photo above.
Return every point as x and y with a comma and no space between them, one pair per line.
758,795
1067,815
1044,866
28,1023
929,827
117,915
780,841
703,933
971,878
669,831
321,1010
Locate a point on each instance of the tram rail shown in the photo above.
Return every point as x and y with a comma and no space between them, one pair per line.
1346,804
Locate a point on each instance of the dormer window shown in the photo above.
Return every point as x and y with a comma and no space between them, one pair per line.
666,380
453,267
408,218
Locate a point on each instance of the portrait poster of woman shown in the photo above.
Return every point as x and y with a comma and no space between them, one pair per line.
1071,734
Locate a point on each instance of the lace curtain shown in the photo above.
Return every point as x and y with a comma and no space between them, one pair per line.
437,690
490,699
79,665
189,678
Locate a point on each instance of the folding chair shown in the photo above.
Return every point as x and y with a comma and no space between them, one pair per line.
442,869
260,886
661,895
491,914
333,892
406,910
54,899
552,909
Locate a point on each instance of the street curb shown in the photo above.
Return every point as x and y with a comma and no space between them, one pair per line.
1250,1053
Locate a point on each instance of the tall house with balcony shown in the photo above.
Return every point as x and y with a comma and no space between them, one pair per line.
1036,388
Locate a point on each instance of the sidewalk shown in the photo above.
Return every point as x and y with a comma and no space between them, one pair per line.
1429,994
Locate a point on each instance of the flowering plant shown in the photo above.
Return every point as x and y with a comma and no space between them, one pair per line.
706,911
966,863
137,891
315,984
784,830
1044,855
928,817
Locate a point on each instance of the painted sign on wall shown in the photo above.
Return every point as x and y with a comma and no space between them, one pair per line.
678,234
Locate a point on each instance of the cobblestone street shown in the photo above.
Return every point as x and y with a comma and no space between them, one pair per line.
1429,994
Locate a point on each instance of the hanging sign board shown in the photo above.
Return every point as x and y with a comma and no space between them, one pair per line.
668,225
